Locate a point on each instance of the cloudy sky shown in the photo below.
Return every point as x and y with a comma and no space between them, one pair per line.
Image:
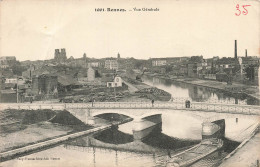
32,29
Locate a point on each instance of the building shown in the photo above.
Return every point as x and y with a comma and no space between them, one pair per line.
10,80
91,73
195,64
111,63
29,72
159,62
225,63
117,82
60,55
95,64
250,60
168,61
7,61
44,84
82,75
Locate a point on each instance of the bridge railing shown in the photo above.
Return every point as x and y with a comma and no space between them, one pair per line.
194,106
32,106
226,108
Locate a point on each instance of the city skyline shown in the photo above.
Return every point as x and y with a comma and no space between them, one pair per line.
208,30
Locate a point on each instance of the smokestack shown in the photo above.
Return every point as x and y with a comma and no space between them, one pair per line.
235,49
246,52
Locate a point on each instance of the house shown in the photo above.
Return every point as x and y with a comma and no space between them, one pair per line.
195,64
67,83
6,61
225,63
10,80
95,64
111,63
117,82
159,62
91,73
250,60
82,76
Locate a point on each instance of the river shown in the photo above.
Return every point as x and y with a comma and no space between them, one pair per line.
117,147
180,129
181,91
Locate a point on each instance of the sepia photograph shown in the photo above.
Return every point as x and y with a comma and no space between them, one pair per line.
150,83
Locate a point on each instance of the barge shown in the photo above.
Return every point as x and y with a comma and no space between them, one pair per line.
213,134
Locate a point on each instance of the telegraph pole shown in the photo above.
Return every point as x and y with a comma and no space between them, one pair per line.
115,93
17,90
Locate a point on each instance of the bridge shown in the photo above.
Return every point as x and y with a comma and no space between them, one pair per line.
194,106
139,110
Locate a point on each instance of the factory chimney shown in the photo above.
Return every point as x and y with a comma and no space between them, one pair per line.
235,49
246,52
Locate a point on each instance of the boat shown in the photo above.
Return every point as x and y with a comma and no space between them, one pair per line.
212,142
196,153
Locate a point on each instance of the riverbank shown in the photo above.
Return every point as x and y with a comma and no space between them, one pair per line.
147,92
20,128
247,153
28,148
236,89
128,92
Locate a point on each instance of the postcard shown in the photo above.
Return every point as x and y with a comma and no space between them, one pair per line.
129,83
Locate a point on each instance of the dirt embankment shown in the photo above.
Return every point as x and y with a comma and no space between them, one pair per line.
154,93
145,91
19,128
15,120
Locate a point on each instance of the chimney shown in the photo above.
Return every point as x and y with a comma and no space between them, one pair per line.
235,49
246,52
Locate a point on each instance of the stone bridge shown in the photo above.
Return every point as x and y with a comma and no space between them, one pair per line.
139,110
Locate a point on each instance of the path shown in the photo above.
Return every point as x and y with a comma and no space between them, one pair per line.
131,88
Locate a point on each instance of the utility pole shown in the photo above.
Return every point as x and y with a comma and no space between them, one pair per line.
17,90
115,93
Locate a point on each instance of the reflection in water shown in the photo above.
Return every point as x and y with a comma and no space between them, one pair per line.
166,142
198,93
114,136
162,148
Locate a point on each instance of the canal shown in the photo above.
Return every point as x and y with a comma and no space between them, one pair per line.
117,147
181,91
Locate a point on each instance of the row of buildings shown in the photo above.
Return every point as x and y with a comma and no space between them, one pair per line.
215,68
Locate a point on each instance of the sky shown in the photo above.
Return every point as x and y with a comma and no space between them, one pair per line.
32,29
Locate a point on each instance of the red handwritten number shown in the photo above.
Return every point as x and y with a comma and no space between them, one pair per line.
245,12
238,10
